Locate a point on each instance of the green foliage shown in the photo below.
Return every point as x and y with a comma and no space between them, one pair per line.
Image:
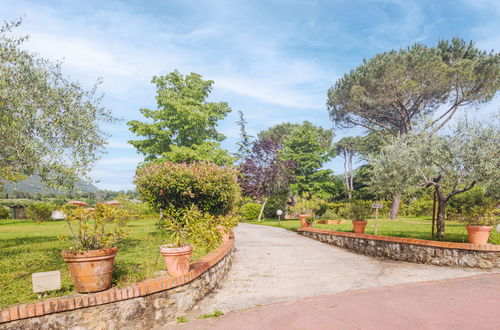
192,227
330,215
276,202
458,204
40,212
359,211
244,144
310,147
5,213
250,211
49,125
136,209
184,126
309,205
216,313
167,187
479,214
420,207
96,229
182,319
394,90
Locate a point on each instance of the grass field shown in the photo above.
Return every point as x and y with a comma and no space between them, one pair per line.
413,227
27,247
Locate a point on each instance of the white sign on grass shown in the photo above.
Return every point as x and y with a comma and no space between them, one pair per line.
46,281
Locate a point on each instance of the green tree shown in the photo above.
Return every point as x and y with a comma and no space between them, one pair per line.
245,143
451,163
184,122
310,147
49,125
393,91
348,148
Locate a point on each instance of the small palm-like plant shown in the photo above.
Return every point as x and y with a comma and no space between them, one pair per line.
96,229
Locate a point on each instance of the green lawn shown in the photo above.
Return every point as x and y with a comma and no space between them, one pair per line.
413,227
27,247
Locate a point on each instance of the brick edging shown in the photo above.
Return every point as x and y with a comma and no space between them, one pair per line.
406,240
146,287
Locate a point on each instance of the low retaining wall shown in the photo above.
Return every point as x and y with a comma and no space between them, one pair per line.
411,250
142,305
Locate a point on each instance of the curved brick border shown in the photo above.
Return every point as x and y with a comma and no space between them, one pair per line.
411,249
171,285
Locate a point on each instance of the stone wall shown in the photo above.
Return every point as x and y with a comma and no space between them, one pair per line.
153,302
411,250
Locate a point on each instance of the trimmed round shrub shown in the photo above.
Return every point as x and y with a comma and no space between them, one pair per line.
250,211
171,186
40,212
5,213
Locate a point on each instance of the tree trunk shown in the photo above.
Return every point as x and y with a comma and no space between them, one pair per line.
262,209
396,202
440,217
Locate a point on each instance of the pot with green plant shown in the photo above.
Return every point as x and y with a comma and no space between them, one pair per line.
187,228
480,220
359,213
95,234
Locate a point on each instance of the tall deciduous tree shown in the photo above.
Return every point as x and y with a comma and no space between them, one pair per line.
49,125
451,163
349,148
310,147
185,123
264,173
391,92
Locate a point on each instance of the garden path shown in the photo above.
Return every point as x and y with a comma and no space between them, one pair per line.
274,265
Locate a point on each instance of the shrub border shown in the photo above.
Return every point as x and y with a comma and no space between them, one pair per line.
140,289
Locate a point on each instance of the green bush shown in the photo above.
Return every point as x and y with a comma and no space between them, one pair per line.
40,212
310,205
461,203
330,215
420,207
275,203
250,211
171,187
359,210
5,213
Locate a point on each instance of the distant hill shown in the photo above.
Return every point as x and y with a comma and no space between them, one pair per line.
33,185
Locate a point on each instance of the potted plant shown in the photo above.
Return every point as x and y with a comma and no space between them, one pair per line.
480,220
91,258
187,228
307,207
359,212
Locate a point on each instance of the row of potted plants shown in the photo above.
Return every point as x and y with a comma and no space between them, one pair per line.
96,232
480,221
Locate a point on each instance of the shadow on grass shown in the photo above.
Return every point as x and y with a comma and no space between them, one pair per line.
26,240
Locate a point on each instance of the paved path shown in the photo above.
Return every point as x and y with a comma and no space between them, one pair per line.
275,265
465,303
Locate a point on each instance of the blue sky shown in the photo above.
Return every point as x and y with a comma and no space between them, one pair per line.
274,60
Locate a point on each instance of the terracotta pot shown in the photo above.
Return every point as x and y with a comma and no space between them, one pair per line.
177,259
91,270
359,226
479,234
303,222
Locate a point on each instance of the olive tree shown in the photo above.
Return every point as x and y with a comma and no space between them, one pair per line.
451,163
390,93
49,125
